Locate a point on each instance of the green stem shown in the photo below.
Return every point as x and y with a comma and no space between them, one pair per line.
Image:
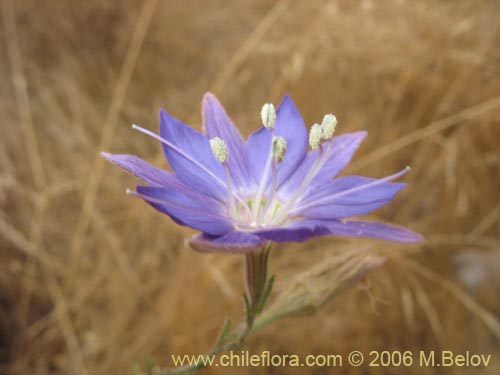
255,282
257,290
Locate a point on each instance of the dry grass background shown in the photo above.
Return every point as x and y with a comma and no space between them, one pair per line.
92,280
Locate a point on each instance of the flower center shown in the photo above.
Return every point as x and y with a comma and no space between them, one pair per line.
267,210
264,208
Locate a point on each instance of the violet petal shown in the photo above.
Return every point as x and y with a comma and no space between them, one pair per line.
231,242
217,124
201,213
341,151
358,202
209,179
303,230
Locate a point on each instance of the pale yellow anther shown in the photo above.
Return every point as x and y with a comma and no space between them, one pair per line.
279,149
329,124
219,149
315,136
268,115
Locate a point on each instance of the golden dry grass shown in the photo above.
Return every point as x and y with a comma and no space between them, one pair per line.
92,280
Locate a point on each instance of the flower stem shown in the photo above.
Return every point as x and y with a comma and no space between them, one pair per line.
256,274
257,291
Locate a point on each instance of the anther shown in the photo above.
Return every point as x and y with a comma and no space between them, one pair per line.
315,136
219,149
329,124
279,149
268,115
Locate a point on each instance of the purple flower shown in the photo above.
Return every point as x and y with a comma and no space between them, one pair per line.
240,195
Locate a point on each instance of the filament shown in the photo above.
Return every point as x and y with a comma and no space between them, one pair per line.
270,198
315,168
258,197
229,182
189,158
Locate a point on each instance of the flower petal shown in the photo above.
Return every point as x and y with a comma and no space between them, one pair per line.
205,173
340,151
298,231
291,127
155,176
258,148
303,230
357,201
193,210
217,124
382,231
231,242
142,170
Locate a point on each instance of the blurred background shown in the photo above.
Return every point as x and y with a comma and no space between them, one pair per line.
92,280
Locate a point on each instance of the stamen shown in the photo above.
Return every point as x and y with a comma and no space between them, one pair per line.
274,185
260,190
279,149
279,146
329,124
315,136
276,154
324,154
268,115
190,159
180,152
219,149
327,129
232,204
